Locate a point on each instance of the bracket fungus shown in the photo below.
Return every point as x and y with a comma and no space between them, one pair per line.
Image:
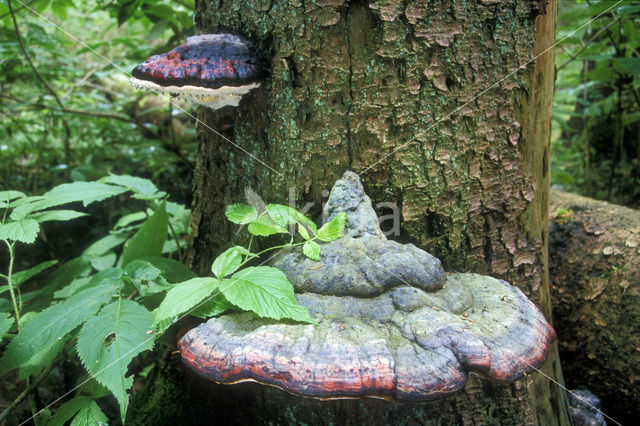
390,323
214,70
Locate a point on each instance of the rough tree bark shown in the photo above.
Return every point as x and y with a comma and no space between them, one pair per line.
595,282
353,81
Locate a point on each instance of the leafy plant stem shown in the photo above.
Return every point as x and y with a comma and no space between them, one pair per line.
16,311
177,240
275,248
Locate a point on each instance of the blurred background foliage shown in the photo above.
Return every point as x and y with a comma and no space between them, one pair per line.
75,117
596,137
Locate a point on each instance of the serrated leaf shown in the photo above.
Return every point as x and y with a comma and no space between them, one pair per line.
184,296
143,189
312,250
24,230
229,261
265,291
89,415
109,341
62,215
53,323
149,239
89,386
173,271
85,410
110,276
240,213
22,276
265,226
6,321
36,363
333,229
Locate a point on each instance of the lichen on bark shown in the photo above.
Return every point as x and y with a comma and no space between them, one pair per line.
350,83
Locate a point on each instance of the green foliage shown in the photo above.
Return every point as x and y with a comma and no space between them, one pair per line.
597,103
110,340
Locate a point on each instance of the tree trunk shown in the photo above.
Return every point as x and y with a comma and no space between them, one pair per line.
596,298
351,83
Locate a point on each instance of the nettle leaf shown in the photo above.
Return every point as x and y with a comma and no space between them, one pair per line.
265,291
143,189
265,226
110,276
240,213
85,410
104,262
22,276
6,321
62,215
184,296
87,192
229,261
24,230
53,324
149,239
110,340
312,250
333,229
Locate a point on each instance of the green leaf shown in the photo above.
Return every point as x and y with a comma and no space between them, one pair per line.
240,213
149,239
265,291
212,308
22,276
85,410
285,215
629,65
143,189
104,262
62,215
24,230
68,272
87,192
128,219
229,261
311,249
265,226
108,276
11,195
333,229
89,386
6,196
6,321
45,357
104,244
184,296
146,277
90,414
172,270
53,324
110,340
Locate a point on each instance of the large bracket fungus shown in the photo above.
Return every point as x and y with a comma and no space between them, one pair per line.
390,323
214,70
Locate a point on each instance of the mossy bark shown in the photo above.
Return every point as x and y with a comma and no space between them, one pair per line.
595,278
444,109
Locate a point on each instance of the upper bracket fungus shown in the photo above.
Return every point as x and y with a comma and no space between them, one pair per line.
390,323
214,70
